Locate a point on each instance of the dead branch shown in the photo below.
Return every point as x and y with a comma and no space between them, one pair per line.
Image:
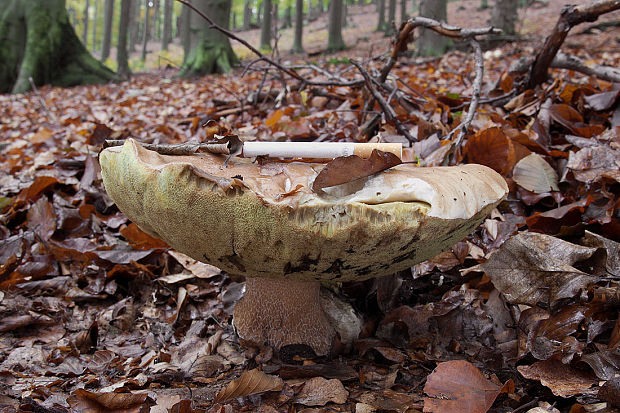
569,62
387,109
454,32
570,16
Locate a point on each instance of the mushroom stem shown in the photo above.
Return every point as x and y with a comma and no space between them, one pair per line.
280,312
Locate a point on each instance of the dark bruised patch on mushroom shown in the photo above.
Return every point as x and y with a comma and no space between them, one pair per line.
364,271
304,265
335,268
239,177
414,239
235,261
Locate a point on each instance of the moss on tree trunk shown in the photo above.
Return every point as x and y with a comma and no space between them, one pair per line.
37,40
210,50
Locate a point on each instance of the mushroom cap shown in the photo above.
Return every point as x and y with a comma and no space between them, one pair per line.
264,220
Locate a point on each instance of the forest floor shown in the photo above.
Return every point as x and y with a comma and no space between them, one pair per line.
521,316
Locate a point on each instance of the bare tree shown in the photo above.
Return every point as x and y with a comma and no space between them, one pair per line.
504,15
381,14
85,22
121,47
265,31
145,30
108,16
430,43
334,35
299,26
166,36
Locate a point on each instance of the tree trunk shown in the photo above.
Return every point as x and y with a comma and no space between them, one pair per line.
299,27
265,31
185,31
134,25
381,12
344,13
167,32
121,48
108,16
389,29
334,35
38,41
85,20
145,31
247,15
504,15
430,43
95,23
210,50
288,17
403,11
484,4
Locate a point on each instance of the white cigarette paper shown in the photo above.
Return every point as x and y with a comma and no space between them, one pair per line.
323,150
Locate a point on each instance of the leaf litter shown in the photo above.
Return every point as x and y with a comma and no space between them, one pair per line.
95,315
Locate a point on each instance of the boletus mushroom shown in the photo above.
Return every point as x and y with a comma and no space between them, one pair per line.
263,221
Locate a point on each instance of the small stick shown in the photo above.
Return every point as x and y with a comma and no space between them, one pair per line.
387,109
41,100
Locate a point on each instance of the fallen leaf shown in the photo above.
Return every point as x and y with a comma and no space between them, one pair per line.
458,386
561,379
86,401
491,147
139,239
251,382
199,269
349,168
530,268
319,391
535,174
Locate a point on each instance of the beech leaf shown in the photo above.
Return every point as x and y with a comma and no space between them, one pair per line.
250,382
530,268
349,168
535,174
458,386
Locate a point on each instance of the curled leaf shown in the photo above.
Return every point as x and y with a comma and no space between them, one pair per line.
535,174
250,382
349,168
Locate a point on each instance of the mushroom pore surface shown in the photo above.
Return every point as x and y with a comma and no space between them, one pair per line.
263,220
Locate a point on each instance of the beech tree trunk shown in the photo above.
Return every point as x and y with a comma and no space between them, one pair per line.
334,35
381,11
37,40
145,30
121,47
247,15
403,11
389,28
430,43
108,16
265,31
210,50
85,22
96,17
134,25
299,27
185,31
166,36
504,15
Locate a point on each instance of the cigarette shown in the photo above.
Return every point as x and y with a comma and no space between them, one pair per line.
322,150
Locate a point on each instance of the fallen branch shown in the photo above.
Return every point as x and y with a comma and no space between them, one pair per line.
564,61
570,16
387,109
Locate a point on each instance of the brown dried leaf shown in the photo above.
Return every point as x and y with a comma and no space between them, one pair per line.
99,135
199,269
491,147
41,219
563,380
535,174
458,386
139,239
86,401
319,391
530,268
251,382
349,168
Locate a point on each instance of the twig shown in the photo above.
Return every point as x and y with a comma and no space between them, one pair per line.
444,29
570,16
42,101
387,109
473,105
